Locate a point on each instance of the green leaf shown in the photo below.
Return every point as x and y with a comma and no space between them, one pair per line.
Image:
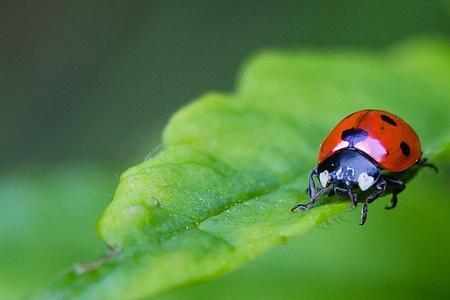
220,192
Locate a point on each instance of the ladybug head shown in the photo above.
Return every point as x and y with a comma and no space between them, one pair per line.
348,169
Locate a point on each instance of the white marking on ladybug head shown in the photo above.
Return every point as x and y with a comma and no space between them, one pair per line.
324,178
339,174
350,172
365,181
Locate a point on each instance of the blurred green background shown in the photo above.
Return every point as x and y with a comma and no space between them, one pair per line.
86,88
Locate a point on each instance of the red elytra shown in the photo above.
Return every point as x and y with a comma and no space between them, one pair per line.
383,136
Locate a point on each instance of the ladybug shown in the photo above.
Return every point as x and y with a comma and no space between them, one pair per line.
370,153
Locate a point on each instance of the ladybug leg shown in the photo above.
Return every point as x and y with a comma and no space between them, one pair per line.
397,187
423,163
303,207
311,185
381,187
345,192
313,193
364,211
354,197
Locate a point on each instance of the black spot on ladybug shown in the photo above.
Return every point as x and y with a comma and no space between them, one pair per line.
387,119
405,148
354,135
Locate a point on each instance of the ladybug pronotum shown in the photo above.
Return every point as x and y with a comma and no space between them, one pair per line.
370,153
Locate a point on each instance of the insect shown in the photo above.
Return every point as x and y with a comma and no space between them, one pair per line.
370,153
